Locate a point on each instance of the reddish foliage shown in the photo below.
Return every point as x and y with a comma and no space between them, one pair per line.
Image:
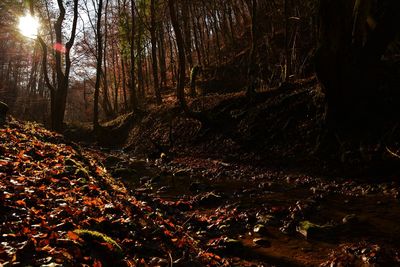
48,189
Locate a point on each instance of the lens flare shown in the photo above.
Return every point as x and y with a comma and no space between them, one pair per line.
29,26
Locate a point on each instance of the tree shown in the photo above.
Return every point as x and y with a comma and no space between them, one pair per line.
352,42
59,91
180,89
134,101
98,66
252,68
153,38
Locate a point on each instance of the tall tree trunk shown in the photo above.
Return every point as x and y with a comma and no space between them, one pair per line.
154,51
106,99
180,89
196,38
60,91
161,55
134,101
288,63
347,66
187,38
116,76
98,67
252,65
171,59
140,63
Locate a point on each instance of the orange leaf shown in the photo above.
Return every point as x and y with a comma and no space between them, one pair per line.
97,263
107,245
72,236
4,162
21,179
35,211
168,233
100,220
21,203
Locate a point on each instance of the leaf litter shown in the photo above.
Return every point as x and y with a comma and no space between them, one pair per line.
60,207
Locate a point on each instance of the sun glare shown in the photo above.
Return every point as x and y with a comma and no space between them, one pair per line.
29,26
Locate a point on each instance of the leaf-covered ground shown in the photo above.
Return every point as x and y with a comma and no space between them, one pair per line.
60,207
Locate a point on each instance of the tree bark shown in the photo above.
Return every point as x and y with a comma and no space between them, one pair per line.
161,52
60,91
153,39
134,101
252,66
180,89
106,100
346,66
98,67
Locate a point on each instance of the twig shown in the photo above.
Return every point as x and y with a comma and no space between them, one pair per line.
171,260
392,153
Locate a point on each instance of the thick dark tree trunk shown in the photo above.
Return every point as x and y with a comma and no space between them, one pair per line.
106,99
139,48
153,38
288,63
59,92
252,65
134,101
161,52
180,90
349,57
98,68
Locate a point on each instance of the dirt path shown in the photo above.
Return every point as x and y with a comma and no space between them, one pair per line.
258,216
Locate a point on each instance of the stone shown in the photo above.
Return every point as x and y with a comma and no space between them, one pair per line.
260,229
350,219
232,244
124,173
197,186
314,231
262,242
209,198
111,161
182,173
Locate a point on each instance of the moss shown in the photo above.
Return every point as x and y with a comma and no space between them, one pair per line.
118,121
313,231
193,72
79,168
88,234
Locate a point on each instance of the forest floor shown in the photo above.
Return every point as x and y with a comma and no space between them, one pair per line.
249,191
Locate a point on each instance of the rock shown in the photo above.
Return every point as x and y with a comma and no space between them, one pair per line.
260,229
3,112
197,186
262,242
155,261
124,173
163,189
156,179
350,219
181,173
314,231
232,244
111,161
267,219
209,199
145,179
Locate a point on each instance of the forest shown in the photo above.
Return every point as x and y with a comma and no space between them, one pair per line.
199,133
